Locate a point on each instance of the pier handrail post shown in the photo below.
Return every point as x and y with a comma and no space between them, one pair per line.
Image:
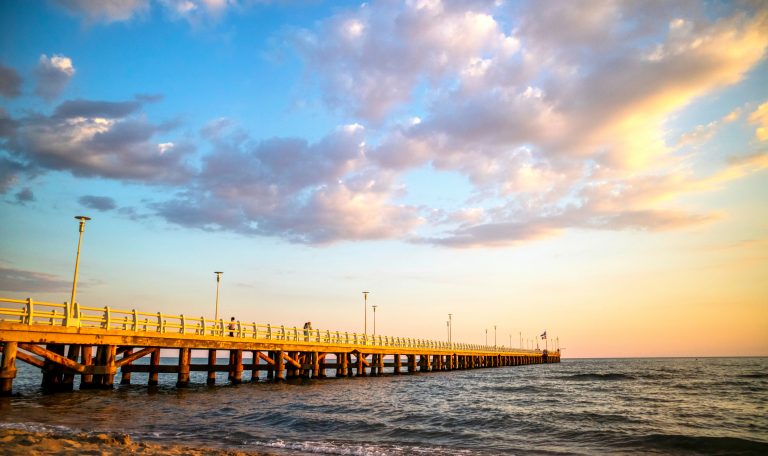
30,311
135,320
239,329
269,331
107,318
183,324
282,332
202,326
255,332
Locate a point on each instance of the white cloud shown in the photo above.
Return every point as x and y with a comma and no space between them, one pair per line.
53,74
105,10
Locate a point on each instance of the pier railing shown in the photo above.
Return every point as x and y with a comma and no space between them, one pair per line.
31,312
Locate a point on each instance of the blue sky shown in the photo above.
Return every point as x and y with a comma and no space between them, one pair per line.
596,168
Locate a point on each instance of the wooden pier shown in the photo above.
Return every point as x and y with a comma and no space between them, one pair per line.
96,343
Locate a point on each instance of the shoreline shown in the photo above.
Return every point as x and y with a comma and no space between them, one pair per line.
16,441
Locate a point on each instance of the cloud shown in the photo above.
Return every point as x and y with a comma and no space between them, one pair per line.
370,60
760,118
19,280
315,193
95,109
10,82
24,196
53,74
106,11
9,172
558,117
101,138
99,203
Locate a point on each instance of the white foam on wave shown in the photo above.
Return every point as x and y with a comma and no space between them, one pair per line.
353,449
39,427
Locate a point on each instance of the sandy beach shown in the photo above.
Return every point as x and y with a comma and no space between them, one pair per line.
22,442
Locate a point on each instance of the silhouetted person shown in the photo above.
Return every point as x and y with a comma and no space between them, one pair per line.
232,327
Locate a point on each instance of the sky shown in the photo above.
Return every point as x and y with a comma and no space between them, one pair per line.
592,169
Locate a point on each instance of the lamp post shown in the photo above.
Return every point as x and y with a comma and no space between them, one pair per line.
450,329
374,318
365,311
218,282
82,219
494,336
486,337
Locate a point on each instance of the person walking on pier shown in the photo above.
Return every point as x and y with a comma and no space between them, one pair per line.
307,329
232,327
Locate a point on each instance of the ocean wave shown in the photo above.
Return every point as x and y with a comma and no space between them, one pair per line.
355,449
756,375
518,389
598,377
704,444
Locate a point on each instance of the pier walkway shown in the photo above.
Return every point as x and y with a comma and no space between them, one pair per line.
96,343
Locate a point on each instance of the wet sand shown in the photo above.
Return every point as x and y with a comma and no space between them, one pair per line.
28,443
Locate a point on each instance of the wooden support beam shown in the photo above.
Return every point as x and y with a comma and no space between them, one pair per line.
29,359
53,357
131,357
293,362
270,361
396,365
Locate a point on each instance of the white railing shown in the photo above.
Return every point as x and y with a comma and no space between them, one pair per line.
32,312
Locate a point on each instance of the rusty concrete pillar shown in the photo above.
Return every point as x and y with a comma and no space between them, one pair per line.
210,378
279,367
8,368
182,380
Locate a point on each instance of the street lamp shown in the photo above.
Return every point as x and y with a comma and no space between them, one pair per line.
365,311
374,318
82,220
494,336
450,329
486,337
218,282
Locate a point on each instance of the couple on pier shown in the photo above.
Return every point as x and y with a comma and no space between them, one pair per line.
307,330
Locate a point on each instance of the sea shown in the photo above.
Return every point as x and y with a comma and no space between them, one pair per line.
577,407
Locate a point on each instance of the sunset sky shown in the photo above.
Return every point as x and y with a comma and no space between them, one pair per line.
597,170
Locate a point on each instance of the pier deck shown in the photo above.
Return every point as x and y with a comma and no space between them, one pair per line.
96,343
